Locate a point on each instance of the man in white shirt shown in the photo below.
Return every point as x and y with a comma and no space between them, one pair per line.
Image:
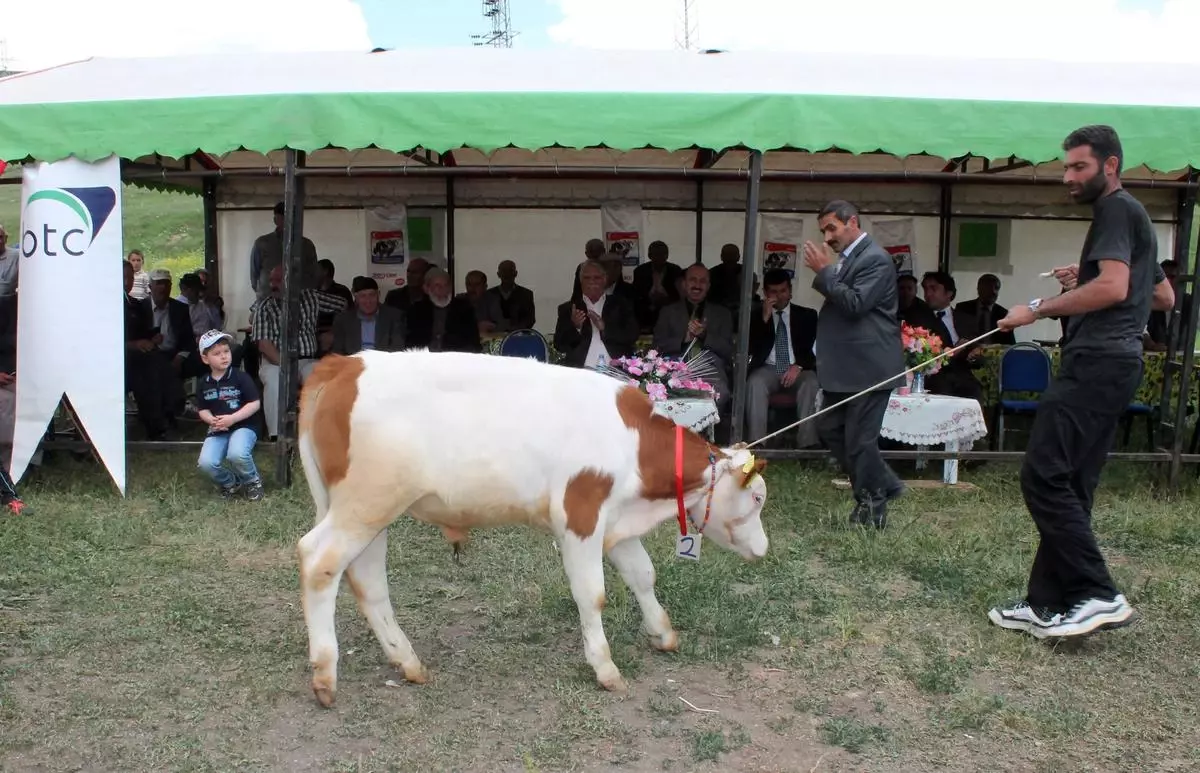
955,377
596,325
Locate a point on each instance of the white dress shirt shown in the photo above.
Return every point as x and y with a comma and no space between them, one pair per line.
596,349
787,322
947,318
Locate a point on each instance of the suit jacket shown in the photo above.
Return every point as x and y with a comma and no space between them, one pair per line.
970,327
803,332
672,325
964,325
139,320
643,280
389,331
620,331
179,316
461,333
858,333
521,310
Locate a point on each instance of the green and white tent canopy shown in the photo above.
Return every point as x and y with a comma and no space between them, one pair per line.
487,99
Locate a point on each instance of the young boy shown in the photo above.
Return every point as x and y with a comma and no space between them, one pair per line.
228,401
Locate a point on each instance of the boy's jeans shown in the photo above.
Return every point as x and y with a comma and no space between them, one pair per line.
238,448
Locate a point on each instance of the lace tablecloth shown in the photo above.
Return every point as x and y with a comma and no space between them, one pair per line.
927,419
695,413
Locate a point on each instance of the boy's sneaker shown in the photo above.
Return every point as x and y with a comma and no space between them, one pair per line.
254,491
229,492
1023,617
1092,615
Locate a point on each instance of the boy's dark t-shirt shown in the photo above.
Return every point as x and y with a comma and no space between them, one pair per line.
227,396
1120,230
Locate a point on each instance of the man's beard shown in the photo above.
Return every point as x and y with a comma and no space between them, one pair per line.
441,303
1091,190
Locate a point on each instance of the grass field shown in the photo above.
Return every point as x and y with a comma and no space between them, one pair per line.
165,633
167,227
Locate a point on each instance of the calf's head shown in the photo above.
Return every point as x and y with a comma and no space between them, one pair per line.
738,495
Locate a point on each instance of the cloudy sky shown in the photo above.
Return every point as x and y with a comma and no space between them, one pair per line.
40,33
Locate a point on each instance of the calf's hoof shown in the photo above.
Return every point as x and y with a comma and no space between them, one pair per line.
415,673
610,679
325,692
668,642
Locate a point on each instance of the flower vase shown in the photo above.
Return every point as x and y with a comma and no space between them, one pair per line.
918,383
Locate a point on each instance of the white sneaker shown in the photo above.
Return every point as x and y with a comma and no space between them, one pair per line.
1092,615
1022,617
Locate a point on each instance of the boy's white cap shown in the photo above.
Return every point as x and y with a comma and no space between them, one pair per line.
211,337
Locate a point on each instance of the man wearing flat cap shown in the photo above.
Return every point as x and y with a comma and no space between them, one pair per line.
368,324
267,253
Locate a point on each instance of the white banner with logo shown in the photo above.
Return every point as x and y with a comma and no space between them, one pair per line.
623,225
782,240
71,335
899,237
387,245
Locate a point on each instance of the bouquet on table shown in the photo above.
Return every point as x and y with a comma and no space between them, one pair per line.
662,377
920,348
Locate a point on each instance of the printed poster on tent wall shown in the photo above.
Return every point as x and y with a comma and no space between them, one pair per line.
622,225
70,304
387,245
898,237
782,237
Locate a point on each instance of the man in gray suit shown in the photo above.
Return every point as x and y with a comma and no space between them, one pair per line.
858,346
701,325
368,324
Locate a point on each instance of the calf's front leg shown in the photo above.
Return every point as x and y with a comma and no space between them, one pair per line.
584,564
637,570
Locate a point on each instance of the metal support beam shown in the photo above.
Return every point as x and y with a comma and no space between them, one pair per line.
450,229
749,255
945,227
700,221
211,264
1181,333
289,318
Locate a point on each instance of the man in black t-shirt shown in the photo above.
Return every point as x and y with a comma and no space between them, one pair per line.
1108,299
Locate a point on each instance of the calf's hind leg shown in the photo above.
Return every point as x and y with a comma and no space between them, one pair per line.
637,570
367,575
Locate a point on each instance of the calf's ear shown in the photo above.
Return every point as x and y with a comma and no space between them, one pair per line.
751,468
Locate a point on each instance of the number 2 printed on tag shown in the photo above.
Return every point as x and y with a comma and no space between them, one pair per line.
688,546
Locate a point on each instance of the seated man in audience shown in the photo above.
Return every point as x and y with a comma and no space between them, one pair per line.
909,306
955,377
147,373
441,322
204,316
370,324
696,324
595,325
593,249
485,305
782,336
515,302
985,313
266,323
615,269
9,500
403,298
655,284
178,344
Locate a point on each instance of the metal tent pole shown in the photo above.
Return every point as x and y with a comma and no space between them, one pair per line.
749,253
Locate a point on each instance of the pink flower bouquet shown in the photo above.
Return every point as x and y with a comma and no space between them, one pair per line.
920,347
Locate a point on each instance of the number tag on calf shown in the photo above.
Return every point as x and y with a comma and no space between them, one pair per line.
688,546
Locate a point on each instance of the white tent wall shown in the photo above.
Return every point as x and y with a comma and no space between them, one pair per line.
542,225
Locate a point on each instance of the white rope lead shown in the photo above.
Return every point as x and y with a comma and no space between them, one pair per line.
868,390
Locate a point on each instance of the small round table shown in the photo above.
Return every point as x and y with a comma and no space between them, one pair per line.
925,419
698,414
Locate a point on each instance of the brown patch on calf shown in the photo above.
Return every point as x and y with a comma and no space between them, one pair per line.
586,492
656,447
325,403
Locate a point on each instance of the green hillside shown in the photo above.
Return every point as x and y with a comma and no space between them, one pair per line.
167,227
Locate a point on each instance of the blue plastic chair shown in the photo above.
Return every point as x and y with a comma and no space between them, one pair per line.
525,343
1024,367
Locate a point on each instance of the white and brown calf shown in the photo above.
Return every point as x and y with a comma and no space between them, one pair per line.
465,441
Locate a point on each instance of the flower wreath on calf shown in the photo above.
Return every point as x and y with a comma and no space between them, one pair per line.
662,377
